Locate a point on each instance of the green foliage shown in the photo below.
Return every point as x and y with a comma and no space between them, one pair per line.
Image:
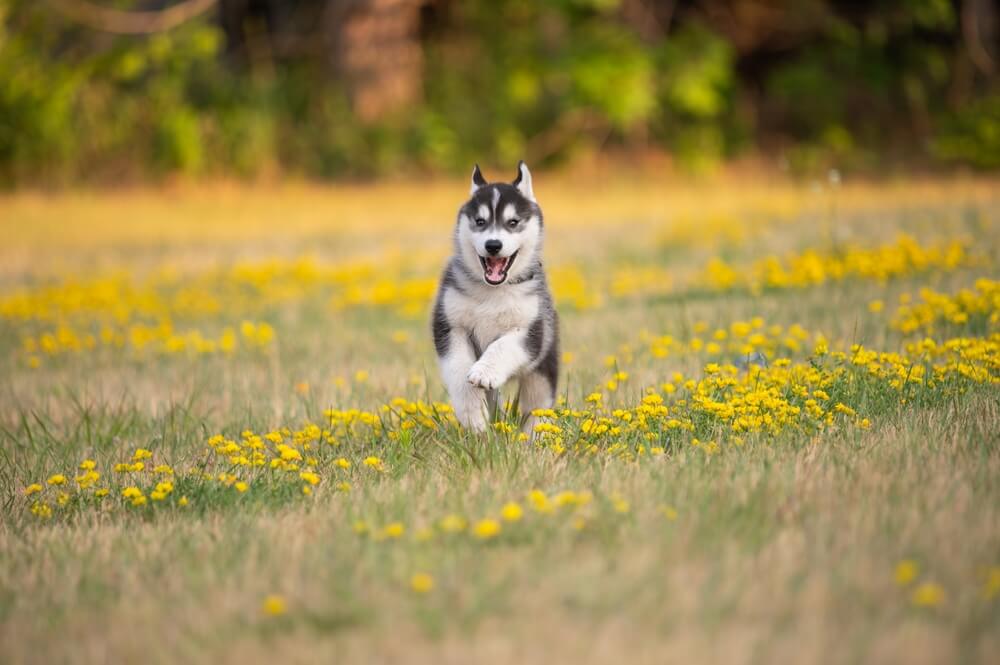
561,76
971,135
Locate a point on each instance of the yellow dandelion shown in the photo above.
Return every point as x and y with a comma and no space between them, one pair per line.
927,594
57,479
393,530
452,523
421,582
33,488
241,486
486,529
274,605
511,512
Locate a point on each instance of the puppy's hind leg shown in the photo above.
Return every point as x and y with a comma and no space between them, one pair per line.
535,392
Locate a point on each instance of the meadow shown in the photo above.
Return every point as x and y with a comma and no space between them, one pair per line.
224,438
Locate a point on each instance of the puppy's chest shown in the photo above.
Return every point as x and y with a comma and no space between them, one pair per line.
494,313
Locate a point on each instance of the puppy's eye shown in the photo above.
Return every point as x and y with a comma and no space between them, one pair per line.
480,221
514,222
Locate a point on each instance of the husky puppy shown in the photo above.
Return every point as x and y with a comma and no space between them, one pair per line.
493,317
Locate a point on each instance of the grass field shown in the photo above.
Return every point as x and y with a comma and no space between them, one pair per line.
224,438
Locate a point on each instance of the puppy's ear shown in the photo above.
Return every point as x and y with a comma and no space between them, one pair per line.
477,180
523,181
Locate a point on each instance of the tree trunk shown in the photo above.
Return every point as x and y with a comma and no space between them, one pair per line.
375,48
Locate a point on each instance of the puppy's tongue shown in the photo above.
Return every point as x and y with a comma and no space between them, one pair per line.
494,268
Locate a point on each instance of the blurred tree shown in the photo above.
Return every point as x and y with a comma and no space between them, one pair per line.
107,89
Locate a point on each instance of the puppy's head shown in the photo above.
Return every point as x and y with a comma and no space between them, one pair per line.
499,232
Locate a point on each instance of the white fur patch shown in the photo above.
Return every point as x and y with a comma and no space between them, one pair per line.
509,212
484,212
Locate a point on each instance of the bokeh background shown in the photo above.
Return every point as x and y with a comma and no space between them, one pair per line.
113,91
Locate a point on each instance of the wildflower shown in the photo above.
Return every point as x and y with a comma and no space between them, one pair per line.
539,501
342,463
486,529
619,504
101,492
906,571
131,492
241,486
927,594
394,530
361,376
33,488
183,501
991,589
344,487
360,527
88,465
57,479
421,582
141,454
289,454
511,512
876,306
274,605
374,463
309,477
41,510
452,523
669,512
163,469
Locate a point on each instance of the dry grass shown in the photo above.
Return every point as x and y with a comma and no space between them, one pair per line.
783,549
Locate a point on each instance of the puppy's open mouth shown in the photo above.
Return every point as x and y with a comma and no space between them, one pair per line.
495,268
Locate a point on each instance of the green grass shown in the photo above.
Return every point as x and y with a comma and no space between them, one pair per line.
780,549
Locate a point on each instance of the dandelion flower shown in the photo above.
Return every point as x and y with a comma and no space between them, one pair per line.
32,489
393,530
452,523
58,479
486,529
422,582
991,589
241,486
274,605
511,512
928,594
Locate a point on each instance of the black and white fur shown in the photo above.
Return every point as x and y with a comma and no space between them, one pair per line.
493,323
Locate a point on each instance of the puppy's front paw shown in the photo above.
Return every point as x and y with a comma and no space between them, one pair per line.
484,376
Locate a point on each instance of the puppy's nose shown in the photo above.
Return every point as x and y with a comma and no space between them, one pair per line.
493,246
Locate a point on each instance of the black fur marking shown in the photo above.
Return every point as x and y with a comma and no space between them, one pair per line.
517,180
440,327
477,177
549,366
450,280
535,338
509,195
